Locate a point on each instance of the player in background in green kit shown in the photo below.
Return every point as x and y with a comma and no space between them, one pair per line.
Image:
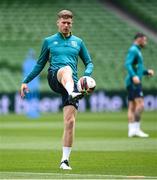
62,50
136,70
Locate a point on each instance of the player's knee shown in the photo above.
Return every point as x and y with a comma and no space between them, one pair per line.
66,69
140,107
64,74
69,123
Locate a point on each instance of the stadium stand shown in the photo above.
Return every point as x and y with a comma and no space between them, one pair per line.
23,25
143,10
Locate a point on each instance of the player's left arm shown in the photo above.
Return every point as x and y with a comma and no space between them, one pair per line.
148,72
84,55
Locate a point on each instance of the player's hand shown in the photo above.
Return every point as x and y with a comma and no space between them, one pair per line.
24,89
150,72
136,80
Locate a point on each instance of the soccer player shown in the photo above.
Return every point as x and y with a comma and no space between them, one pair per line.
62,50
136,70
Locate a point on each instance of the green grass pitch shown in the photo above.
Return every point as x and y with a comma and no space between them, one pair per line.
31,149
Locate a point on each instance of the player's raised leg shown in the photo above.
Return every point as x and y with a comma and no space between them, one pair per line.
64,76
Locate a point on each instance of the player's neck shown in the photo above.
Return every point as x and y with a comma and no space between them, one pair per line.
137,44
65,35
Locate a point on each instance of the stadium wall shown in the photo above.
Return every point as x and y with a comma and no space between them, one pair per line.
99,101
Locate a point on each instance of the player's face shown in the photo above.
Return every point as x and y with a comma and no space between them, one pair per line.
64,25
143,41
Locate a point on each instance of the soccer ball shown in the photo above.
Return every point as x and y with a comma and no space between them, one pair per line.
86,84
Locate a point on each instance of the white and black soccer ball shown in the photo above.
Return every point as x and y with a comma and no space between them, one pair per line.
86,84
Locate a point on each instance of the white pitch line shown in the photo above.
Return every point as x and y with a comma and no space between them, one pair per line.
78,175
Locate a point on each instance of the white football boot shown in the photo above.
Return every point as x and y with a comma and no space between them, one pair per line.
132,133
65,165
74,96
140,133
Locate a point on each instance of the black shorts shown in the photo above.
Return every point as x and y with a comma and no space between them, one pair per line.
57,87
134,91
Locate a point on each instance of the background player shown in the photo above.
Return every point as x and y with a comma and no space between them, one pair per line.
136,70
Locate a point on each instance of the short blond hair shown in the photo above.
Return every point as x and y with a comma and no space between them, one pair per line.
65,14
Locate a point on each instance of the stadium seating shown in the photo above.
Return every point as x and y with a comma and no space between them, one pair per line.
23,25
144,10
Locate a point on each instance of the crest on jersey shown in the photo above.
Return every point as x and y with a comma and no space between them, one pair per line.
55,42
74,43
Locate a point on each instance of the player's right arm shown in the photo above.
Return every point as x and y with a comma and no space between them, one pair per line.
43,58
129,65
24,89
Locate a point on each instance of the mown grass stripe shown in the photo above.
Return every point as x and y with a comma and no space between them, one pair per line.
34,175
81,144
